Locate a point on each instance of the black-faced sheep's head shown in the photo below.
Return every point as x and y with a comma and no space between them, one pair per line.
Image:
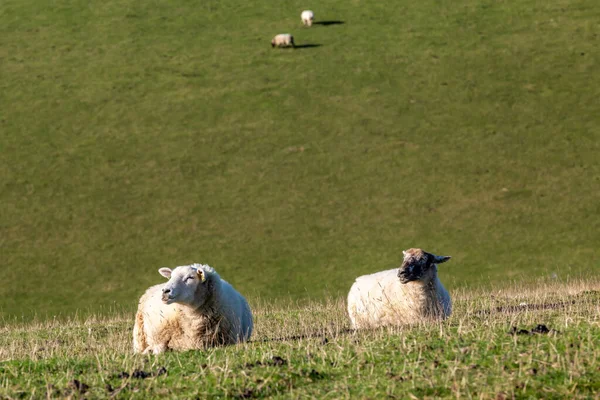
273,43
187,284
419,265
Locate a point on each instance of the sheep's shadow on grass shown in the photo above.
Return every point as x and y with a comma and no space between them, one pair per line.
526,307
307,46
316,335
327,23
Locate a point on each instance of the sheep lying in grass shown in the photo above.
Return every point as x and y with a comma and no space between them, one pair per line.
283,40
307,17
193,310
401,296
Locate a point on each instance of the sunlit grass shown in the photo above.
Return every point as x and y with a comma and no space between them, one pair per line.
135,135
308,351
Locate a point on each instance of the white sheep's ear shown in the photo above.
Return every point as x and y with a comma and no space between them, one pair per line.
440,259
166,272
201,275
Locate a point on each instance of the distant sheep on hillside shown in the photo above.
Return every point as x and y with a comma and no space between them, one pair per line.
407,295
193,310
283,40
307,17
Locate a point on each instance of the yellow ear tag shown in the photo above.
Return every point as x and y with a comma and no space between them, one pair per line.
201,276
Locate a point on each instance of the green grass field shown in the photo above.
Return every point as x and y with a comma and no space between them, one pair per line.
488,349
135,135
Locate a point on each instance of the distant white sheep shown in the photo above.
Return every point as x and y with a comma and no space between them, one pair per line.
283,40
307,17
195,309
407,295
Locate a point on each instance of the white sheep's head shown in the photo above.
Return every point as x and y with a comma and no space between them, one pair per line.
188,284
419,265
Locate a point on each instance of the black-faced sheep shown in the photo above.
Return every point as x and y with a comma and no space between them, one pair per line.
407,295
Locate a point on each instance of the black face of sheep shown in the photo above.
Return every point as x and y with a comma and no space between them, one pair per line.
418,265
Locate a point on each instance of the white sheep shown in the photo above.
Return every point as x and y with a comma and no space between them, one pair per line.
282,40
307,17
195,309
407,295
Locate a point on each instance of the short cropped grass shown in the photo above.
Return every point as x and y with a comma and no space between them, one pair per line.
141,134
523,342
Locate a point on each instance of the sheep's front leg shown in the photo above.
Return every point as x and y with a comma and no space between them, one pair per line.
159,348
156,349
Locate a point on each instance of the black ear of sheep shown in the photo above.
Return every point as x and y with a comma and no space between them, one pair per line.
439,259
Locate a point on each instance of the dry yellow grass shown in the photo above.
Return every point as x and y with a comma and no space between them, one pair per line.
487,349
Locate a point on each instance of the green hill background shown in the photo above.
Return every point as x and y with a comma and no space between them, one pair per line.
135,135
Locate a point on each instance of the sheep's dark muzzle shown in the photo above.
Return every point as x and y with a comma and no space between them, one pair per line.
404,278
409,273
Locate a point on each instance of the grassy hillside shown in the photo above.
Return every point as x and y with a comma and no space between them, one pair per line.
491,348
140,134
